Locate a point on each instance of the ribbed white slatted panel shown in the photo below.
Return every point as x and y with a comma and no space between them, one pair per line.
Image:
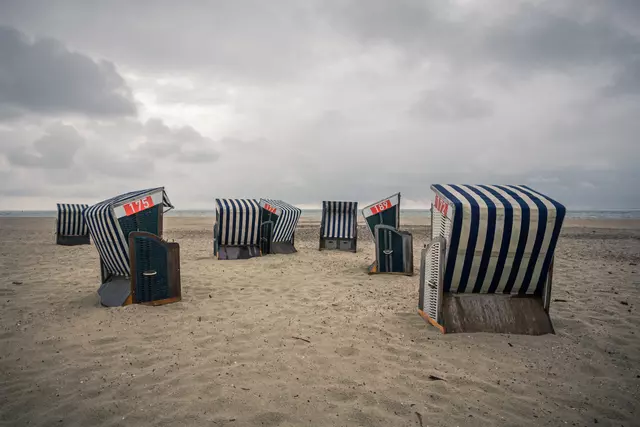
433,279
441,225
445,228
436,220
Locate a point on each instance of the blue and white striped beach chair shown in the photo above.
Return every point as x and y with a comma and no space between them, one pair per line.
71,228
278,226
394,248
489,265
339,226
236,232
136,265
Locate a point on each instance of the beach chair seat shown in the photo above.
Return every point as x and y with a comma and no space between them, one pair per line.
489,265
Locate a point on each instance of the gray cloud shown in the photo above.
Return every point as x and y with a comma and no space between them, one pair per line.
42,76
183,144
344,99
55,150
451,103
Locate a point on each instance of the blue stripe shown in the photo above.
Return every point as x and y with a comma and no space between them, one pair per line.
332,218
456,229
488,243
243,218
535,251
522,239
256,218
59,219
339,218
353,216
233,220
323,225
70,220
506,239
473,239
227,223
560,214
344,219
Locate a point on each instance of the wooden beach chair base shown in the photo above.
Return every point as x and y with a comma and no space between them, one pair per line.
502,314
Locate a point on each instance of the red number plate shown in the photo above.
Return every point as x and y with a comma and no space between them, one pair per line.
270,208
441,205
380,207
137,205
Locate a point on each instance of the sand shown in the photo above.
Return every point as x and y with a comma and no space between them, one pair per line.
226,355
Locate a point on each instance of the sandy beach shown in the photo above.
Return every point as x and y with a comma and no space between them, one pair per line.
309,340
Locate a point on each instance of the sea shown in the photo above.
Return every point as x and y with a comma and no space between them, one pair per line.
316,213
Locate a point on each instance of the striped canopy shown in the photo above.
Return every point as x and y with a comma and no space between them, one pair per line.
339,220
501,238
288,217
71,220
238,222
107,235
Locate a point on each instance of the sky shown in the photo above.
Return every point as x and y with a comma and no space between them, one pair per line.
307,101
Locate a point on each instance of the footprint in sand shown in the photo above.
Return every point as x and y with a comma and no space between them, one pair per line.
347,351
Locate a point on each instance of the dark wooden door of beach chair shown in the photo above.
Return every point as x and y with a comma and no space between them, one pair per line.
389,250
266,237
155,269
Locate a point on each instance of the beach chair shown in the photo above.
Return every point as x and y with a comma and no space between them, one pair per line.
394,248
136,265
489,265
71,230
339,226
278,224
236,232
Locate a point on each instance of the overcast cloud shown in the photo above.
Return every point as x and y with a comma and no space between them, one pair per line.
316,100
